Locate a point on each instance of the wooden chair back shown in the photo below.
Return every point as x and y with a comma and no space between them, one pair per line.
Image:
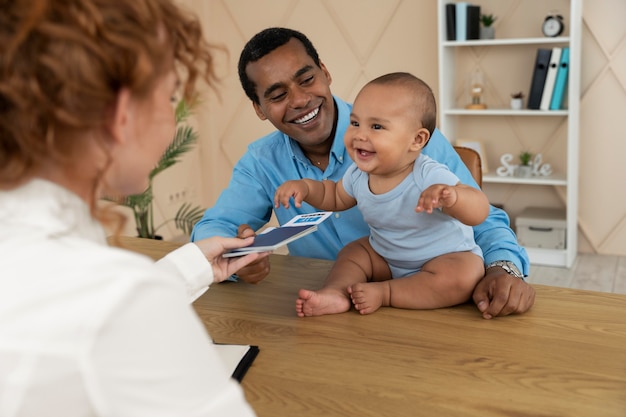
471,159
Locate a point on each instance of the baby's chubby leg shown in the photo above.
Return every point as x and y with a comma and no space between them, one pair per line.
369,296
353,266
444,281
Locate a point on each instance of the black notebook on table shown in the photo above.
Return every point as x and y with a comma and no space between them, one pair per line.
239,358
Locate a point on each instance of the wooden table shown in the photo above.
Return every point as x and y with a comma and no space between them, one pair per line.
565,357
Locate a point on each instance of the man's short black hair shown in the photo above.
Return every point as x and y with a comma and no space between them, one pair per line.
262,44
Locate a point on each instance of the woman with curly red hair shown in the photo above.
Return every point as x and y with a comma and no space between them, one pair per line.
86,91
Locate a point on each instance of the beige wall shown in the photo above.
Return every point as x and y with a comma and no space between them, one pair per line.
360,39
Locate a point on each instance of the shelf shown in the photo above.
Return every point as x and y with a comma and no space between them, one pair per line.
506,64
508,42
505,112
554,179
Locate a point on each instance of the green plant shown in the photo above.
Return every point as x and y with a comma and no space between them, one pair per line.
525,157
519,94
487,19
141,204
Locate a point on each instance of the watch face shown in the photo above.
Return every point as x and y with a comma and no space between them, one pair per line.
552,27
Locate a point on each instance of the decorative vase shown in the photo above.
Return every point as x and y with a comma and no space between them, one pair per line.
516,103
524,171
487,32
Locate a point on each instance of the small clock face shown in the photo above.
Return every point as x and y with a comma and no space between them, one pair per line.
552,26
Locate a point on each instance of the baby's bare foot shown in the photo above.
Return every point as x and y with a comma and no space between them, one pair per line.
368,297
319,303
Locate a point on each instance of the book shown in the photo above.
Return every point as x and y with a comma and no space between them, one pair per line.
239,358
461,21
451,21
273,238
540,71
473,22
560,85
548,89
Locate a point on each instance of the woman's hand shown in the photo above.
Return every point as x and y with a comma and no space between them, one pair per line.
259,268
214,247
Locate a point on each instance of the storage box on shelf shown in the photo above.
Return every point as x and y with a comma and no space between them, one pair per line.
541,227
507,65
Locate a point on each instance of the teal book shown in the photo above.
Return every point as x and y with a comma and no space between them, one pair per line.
461,21
560,85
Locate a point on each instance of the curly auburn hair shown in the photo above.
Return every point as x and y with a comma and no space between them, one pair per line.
63,63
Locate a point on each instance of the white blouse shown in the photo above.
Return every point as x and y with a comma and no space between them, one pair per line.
91,330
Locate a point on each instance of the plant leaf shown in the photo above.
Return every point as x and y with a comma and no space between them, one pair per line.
187,216
183,142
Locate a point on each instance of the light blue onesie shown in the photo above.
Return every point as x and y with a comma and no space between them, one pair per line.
405,238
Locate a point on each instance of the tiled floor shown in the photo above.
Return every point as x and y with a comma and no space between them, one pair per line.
604,273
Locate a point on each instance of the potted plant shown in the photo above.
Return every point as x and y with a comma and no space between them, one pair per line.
141,204
487,31
517,100
525,169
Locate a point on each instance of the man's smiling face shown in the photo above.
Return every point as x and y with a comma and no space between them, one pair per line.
294,94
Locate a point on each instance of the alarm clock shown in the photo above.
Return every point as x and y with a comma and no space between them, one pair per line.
553,25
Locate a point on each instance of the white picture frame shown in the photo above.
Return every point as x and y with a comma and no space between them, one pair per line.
477,145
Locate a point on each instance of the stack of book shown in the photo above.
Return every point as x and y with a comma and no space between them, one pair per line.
462,21
549,82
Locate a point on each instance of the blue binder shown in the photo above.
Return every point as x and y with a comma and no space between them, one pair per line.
461,21
560,85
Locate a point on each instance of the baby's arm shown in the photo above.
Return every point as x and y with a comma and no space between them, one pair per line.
324,195
466,204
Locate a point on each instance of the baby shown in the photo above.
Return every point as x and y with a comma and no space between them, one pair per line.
416,257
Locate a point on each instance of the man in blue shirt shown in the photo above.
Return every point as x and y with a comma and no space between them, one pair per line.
281,73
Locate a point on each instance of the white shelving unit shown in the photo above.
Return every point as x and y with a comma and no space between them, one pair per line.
456,121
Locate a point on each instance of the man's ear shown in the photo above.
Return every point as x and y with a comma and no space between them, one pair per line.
420,139
326,73
259,111
120,117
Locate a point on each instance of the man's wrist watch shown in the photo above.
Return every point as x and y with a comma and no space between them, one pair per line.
508,266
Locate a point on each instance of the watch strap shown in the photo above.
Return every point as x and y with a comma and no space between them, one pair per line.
508,266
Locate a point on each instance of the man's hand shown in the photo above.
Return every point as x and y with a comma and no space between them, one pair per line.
501,294
257,270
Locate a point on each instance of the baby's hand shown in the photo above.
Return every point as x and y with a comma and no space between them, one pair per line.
296,189
436,196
